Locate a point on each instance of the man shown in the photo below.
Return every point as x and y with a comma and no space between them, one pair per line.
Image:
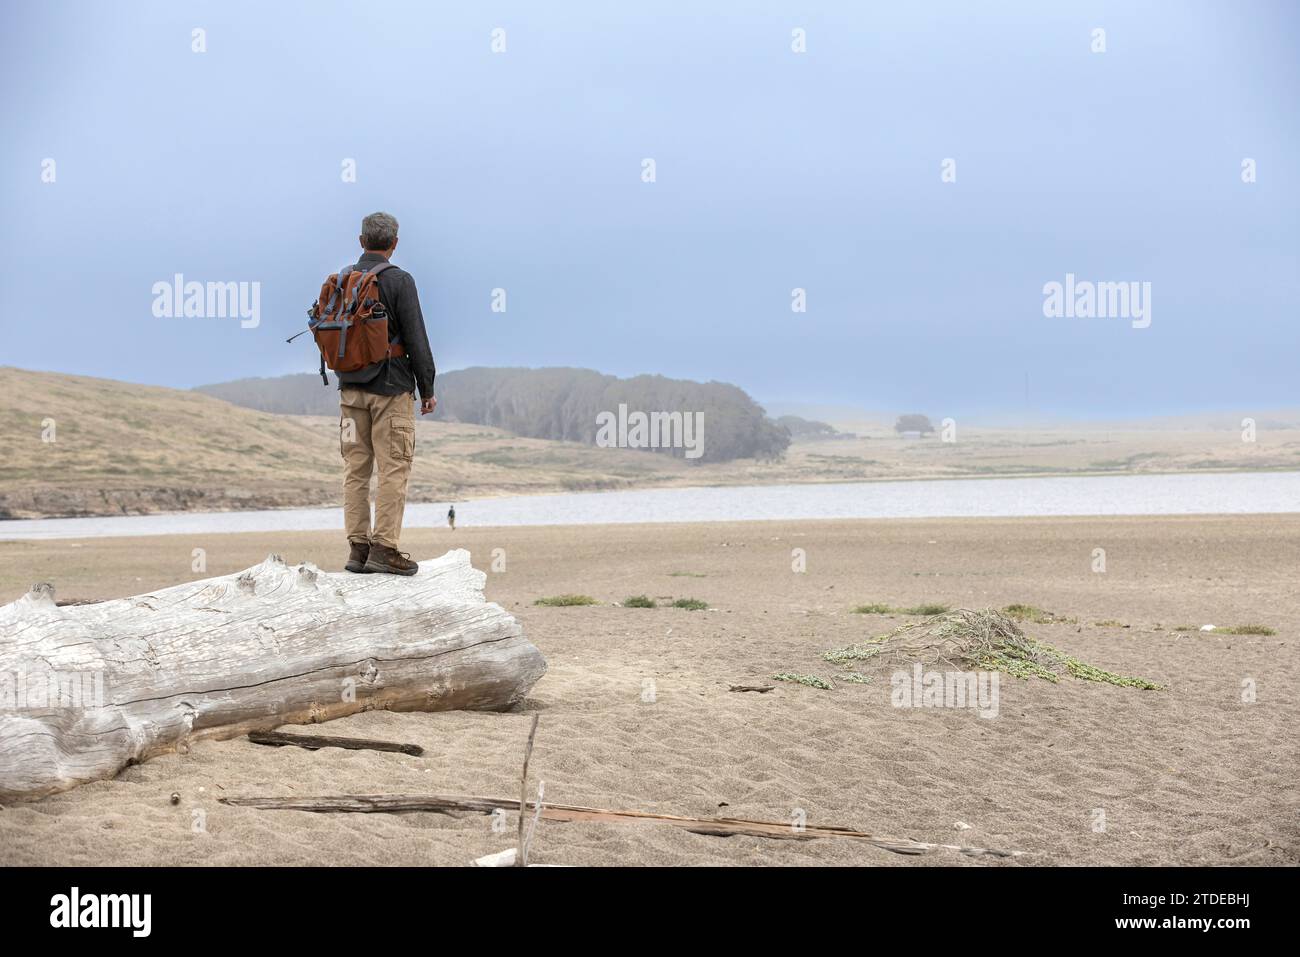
451,517
377,414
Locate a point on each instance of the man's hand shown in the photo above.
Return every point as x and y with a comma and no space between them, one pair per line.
428,405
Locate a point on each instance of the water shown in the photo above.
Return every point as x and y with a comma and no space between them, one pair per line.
1239,492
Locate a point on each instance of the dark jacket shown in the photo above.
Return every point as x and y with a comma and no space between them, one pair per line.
413,371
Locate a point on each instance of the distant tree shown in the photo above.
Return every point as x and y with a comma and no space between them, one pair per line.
553,403
559,403
913,422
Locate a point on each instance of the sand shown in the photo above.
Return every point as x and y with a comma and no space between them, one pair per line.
1189,775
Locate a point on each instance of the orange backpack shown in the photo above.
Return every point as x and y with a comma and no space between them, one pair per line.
349,322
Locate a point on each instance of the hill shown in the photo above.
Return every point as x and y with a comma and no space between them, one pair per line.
82,446
556,403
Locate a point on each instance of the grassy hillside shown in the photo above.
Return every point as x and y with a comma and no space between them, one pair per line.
122,448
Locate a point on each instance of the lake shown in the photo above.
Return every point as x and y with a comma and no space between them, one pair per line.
1196,494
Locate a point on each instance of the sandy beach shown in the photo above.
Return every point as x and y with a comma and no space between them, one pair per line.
1073,773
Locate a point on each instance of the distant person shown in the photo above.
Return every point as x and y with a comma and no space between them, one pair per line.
451,517
378,400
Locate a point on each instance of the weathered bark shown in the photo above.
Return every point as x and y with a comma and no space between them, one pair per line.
218,658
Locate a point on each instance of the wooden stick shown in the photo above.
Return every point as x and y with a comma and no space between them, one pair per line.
717,827
313,742
761,689
532,827
523,793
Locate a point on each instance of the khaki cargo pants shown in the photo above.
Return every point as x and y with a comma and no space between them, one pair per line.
376,432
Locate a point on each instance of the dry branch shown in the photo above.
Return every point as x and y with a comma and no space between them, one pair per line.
523,792
314,742
717,827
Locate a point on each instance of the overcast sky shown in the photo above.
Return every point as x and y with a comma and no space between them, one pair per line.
774,170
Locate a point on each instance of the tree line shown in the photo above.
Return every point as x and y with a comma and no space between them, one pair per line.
553,403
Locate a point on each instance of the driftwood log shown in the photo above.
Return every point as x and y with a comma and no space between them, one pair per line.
87,690
713,826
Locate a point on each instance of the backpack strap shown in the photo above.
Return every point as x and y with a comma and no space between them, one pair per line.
339,296
343,309
350,300
395,350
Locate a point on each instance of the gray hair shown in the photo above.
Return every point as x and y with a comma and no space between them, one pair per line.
378,231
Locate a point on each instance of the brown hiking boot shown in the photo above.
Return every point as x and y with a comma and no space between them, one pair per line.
357,557
390,560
